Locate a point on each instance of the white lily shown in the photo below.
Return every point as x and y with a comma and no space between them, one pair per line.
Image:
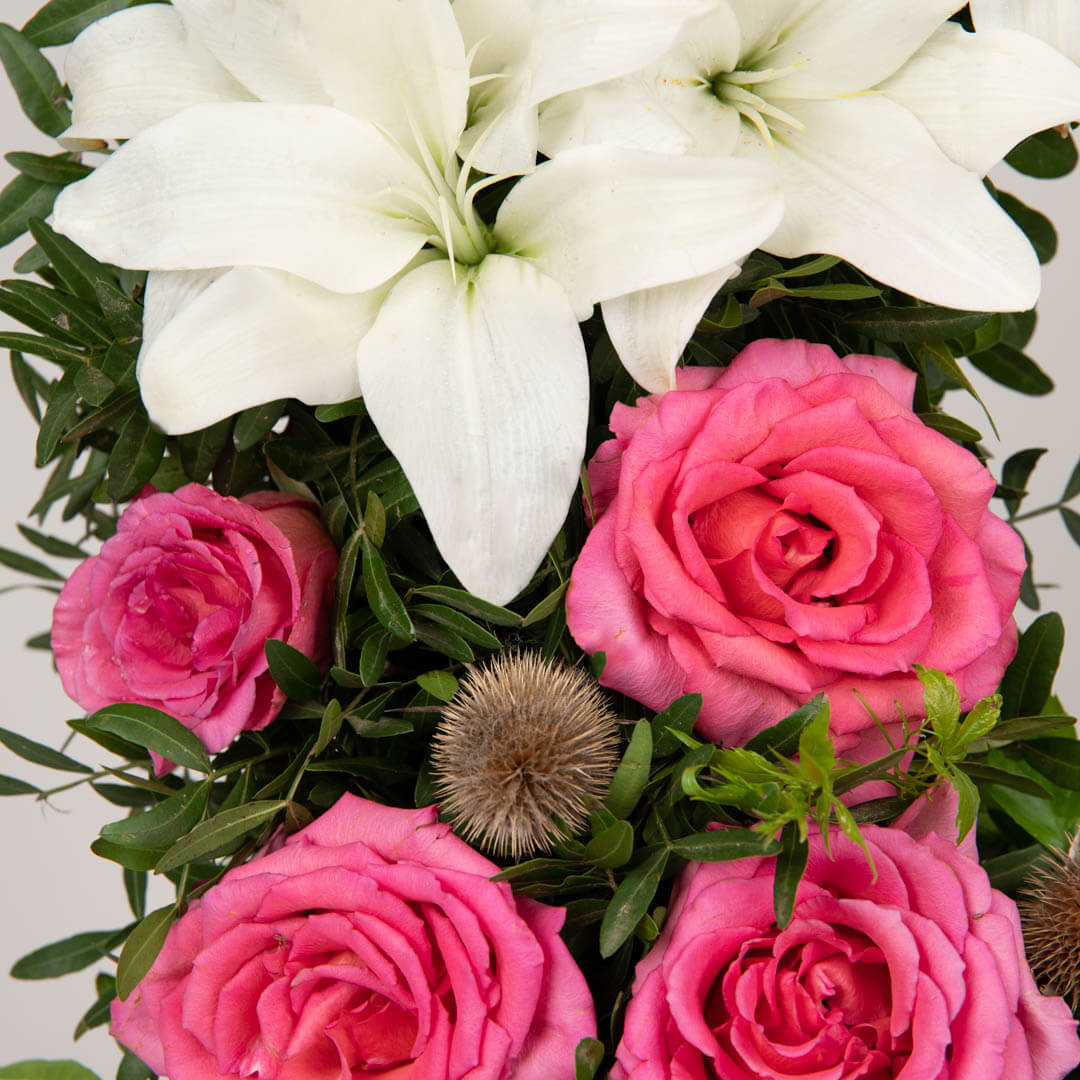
1055,21
355,261
883,119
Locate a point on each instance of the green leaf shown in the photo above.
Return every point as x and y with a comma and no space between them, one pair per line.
459,622
383,599
220,830
27,382
915,325
373,652
131,858
949,426
59,21
967,801
254,424
1030,676
790,864
25,565
163,824
375,519
613,847
51,545
39,1069
680,715
1008,872
135,883
133,1068
723,845
941,356
1058,759
59,169
141,949
631,901
470,605
1038,228
40,754
588,1054
63,957
154,730
72,315
992,774
296,674
1071,520
99,1012
329,726
782,739
1016,472
78,270
1072,488
444,640
546,606
439,684
327,414
10,786
120,311
1011,368
839,290
817,265
35,83
346,573
632,773
120,747
134,457
1047,154
941,699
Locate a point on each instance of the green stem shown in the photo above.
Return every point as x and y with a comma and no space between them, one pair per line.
1036,513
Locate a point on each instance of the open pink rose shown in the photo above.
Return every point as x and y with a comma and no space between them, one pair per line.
175,610
372,943
919,974
785,526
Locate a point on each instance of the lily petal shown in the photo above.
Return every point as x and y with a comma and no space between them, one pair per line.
298,188
650,328
136,67
538,50
480,389
252,336
1055,21
980,94
845,46
866,182
397,63
168,292
605,221
262,43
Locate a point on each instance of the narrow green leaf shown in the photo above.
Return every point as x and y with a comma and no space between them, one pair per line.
1057,759
133,1068
25,565
632,773
375,519
134,457
135,882
1030,676
40,754
459,622
613,847
439,684
723,845
163,824
329,726
790,864
680,715
220,830
851,778
141,949
1071,520
955,429
72,315
254,424
588,1054
817,265
631,901
1047,154
941,699
782,739
63,957
78,270
444,640
99,1012
346,573
471,605
120,311
131,858
327,414
373,652
941,355
120,747
1008,872
59,21
35,82
1011,368
39,1069
546,606
991,774
296,674
1016,472
26,381
59,169
839,290
384,601
1072,488
1038,228
915,325
9,785
154,730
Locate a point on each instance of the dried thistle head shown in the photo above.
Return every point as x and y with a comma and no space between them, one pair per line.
1050,915
524,742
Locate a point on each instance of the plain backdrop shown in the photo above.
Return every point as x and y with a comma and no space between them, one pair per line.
51,886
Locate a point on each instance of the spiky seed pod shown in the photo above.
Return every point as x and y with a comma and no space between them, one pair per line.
1050,915
523,743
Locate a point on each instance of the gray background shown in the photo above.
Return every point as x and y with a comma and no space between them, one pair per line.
53,886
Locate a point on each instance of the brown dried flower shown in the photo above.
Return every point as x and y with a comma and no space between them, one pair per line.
523,743
1050,915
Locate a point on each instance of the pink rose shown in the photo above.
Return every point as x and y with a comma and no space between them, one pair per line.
372,942
920,974
786,526
175,610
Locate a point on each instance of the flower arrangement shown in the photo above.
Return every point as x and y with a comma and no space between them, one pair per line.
535,612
